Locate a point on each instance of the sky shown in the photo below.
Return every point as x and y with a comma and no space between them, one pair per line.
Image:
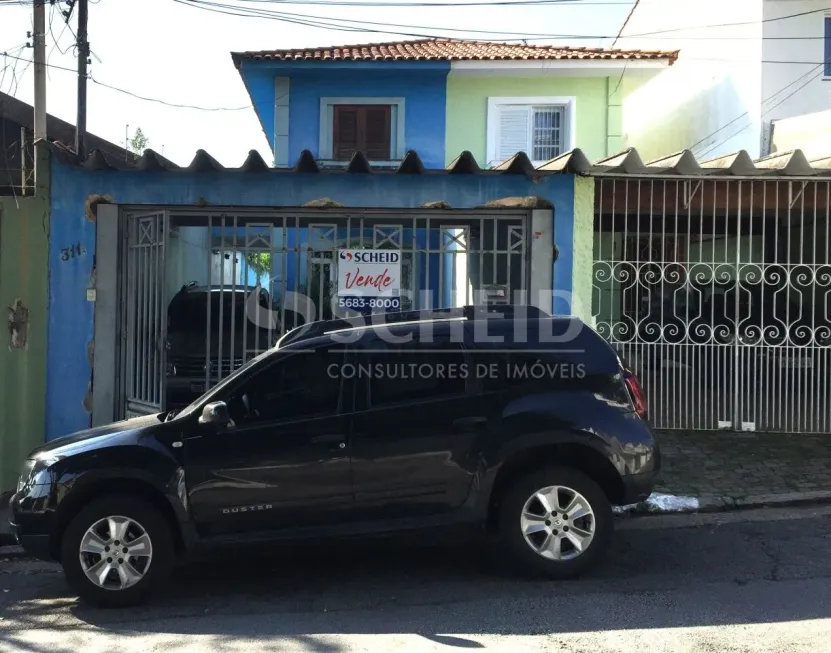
175,52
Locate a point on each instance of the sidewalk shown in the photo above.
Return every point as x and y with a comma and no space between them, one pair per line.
720,469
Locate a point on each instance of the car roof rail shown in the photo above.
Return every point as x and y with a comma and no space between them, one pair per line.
322,327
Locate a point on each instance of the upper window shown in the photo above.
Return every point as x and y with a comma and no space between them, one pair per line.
827,70
374,126
541,127
361,129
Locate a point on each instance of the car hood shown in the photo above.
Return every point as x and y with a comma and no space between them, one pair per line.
95,437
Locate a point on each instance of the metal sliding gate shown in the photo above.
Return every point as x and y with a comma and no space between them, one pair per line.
205,292
143,313
718,292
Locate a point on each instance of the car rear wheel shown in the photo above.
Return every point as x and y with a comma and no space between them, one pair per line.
555,522
116,551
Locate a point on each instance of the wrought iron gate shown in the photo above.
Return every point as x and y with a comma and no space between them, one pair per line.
144,313
232,283
718,292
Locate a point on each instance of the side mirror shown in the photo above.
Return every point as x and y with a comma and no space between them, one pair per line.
216,414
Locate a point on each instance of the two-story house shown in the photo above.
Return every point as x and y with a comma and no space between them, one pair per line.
743,67
441,97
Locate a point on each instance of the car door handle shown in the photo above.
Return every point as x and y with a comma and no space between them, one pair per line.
470,423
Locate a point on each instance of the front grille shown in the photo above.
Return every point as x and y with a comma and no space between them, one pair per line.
196,367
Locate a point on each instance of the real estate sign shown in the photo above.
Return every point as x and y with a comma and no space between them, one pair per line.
369,280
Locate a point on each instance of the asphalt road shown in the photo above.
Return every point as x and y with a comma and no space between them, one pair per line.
741,582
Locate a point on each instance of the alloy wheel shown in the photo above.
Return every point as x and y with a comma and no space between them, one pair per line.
116,552
558,523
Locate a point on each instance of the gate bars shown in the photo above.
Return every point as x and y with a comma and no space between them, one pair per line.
718,293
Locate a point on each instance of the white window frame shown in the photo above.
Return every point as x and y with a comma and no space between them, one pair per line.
327,127
496,103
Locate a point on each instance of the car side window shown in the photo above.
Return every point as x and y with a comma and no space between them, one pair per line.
298,385
399,372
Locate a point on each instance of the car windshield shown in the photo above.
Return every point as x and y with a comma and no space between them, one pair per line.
222,385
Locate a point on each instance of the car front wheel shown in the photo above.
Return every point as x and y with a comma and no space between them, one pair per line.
116,550
555,522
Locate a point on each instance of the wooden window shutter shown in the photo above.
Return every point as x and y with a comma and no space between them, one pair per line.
513,131
345,141
364,128
377,133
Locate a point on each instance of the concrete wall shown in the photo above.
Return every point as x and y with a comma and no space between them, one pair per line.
467,105
71,315
24,225
793,51
302,84
710,99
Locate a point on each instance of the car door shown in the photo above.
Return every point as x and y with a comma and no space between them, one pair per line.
284,463
415,428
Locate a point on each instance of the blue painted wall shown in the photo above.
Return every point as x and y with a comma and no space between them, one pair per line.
421,84
70,326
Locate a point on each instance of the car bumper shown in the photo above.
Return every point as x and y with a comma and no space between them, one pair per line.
637,487
31,528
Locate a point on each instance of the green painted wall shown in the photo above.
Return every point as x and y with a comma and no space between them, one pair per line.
24,246
467,104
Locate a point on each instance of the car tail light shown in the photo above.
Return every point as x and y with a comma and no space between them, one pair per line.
636,393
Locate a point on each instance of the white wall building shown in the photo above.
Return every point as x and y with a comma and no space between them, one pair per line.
743,65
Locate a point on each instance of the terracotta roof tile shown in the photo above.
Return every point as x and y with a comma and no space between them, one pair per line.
449,50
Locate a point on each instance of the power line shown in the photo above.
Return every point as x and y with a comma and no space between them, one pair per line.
619,32
344,24
474,3
767,111
765,101
165,102
136,95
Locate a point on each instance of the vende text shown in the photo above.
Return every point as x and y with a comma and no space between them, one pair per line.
379,282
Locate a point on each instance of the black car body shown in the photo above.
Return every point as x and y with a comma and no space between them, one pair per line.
329,434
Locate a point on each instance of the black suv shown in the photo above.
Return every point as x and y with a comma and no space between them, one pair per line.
522,424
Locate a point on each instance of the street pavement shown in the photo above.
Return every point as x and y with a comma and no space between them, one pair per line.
741,581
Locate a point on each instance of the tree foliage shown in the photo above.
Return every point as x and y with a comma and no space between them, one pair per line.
138,142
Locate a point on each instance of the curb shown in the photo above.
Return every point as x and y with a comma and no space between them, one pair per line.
725,503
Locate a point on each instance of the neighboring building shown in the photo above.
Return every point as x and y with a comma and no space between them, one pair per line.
743,64
810,132
16,141
441,97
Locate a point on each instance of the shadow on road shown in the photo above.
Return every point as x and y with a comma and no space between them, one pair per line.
732,574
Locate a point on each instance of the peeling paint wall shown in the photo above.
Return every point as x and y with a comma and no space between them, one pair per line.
24,225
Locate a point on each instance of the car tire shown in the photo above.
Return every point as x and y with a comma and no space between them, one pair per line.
519,550
146,533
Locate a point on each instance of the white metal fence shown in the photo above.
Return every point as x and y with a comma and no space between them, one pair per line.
718,293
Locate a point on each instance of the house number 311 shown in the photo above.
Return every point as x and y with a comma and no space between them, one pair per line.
75,251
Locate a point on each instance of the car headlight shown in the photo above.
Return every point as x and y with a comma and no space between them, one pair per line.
25,473
33,471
